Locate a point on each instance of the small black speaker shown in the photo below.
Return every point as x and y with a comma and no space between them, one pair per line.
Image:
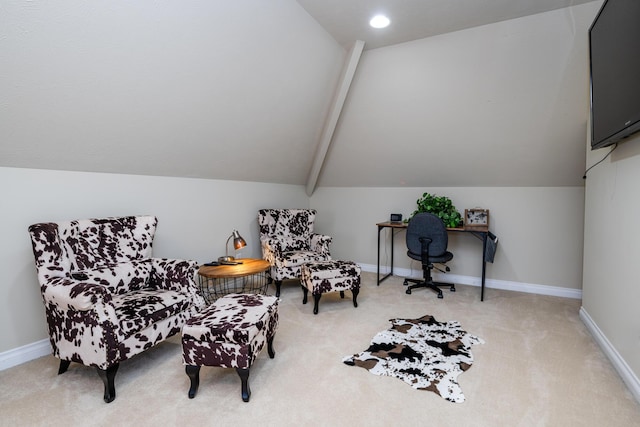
396,218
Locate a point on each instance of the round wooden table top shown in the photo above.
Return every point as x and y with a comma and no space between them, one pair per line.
248,267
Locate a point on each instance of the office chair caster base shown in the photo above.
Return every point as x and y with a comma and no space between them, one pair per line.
408,292
452,286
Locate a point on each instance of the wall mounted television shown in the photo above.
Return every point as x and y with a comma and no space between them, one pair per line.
614,48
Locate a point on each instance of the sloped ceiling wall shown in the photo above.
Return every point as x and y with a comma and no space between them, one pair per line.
220,89
498,105
240,91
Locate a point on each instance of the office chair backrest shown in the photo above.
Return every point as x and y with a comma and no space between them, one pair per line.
427,225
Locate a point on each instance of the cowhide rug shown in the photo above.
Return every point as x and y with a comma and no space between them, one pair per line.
424,353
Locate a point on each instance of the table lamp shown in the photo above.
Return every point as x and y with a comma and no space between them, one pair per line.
238,243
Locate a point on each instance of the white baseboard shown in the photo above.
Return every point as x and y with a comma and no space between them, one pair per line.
488,283
17,356
628,376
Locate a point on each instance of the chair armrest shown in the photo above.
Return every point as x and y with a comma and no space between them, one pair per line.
271,248
178,275
71,294
174,274
320,243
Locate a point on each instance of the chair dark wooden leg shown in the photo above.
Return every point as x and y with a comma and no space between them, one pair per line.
64,365
355,293
108,378
316,301
193,372
244,377
342,294
305,291
278,284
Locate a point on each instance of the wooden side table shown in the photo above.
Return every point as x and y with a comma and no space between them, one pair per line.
249,277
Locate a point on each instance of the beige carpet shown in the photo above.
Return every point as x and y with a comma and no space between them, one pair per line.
538,367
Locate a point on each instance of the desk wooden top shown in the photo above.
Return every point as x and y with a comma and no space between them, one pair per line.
248,267
406,224
393,224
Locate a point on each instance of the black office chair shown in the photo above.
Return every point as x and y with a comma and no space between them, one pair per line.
427,241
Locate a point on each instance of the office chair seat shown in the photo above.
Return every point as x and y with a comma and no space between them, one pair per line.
446,257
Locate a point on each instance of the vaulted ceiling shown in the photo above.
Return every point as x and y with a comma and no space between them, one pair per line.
348,20
241,91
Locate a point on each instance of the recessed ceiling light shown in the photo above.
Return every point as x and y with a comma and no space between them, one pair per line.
379,21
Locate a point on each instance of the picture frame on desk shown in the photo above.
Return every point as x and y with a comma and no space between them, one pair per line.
476,219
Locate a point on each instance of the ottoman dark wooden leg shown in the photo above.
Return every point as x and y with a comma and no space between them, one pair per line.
305,291
272,353
64,365
213,347
355,292
193,372
244,377
342,294
316,300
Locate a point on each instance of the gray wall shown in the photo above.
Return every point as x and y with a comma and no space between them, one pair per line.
539,230
195,217
611,294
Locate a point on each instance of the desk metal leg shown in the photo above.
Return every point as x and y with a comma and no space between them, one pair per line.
378,278
391,272
392,245
484,264
482,235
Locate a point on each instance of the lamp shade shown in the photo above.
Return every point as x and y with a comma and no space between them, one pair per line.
238,243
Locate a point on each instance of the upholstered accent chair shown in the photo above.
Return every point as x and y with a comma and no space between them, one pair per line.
105,297
288,242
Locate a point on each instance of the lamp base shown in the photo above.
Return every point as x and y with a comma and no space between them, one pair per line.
226,259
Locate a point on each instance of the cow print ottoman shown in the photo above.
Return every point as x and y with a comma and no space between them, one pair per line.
230,334
330,276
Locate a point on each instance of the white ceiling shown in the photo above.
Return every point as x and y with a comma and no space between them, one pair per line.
348,20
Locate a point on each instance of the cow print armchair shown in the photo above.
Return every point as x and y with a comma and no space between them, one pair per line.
105,297
288,242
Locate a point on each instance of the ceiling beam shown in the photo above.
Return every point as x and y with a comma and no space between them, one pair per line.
334,114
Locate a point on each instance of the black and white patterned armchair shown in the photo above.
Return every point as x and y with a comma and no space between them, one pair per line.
288,242
106,299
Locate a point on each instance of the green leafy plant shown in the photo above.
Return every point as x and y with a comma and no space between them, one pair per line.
440,206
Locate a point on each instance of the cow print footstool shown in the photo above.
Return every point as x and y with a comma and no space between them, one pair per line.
230,334
330,276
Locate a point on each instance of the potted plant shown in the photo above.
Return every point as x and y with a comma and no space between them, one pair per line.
442,207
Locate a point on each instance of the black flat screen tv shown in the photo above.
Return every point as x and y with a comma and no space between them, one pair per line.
614,49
